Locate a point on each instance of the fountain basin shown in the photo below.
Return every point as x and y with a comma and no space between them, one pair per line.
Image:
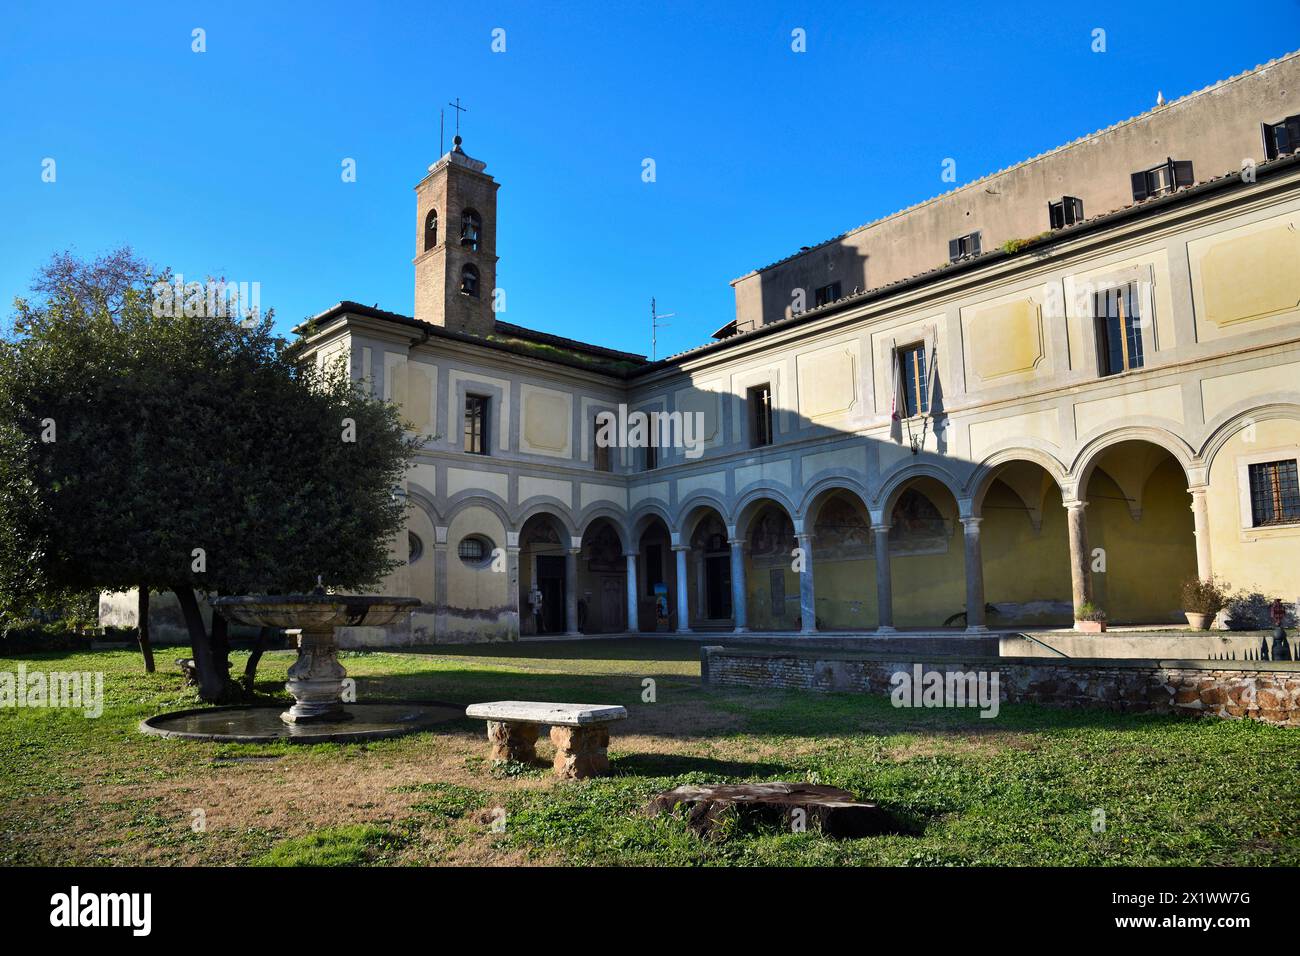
263,725
316,679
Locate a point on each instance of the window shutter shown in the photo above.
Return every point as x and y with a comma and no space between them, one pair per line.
1139,181
1270,142
1055,215
954,250
974,243
1076,210
1183,173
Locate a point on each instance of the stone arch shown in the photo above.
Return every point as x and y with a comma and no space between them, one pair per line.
898,480
755,499
986,472
1085,461
820,491
549,506
1224,431
644,515
491,503
690,511
606,513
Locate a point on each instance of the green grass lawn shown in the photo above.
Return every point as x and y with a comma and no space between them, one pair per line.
1019,789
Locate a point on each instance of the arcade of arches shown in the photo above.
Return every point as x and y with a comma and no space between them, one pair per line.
1022,551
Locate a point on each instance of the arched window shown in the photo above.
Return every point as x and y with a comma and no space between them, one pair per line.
470,228
431,230
469,281
415,548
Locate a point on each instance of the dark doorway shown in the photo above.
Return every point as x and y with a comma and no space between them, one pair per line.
550,581
717,586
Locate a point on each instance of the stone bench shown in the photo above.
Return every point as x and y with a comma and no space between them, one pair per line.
579,732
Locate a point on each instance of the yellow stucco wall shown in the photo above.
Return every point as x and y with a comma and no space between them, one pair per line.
1146,560
1255,559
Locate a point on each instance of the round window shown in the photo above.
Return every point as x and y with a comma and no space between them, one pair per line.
475,551
415,548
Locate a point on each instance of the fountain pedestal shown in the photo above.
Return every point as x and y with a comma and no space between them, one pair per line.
315,679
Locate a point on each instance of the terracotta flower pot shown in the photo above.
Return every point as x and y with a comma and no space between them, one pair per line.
1090,627
1199,622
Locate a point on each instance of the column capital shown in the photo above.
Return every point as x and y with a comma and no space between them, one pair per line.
736,542
574,551
971,523
631,554
1198,491
881,528
681,547
1075,504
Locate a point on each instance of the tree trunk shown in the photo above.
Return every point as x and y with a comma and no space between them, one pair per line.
254,658
142,613
212,682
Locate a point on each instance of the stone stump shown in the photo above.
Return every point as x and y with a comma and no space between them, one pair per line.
512,741
581,751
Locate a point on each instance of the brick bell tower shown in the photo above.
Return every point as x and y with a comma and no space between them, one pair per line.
456,244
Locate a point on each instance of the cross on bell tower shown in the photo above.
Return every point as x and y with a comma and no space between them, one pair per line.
455,246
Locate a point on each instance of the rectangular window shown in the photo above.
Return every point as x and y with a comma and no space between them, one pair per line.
476,424
1118,315
1065,213
760,415
654,568
916,401
1274,495
1282,138
827,293
964,247
1170,175
651,458
600,453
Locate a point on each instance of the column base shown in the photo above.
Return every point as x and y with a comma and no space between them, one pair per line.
886,629
683,630
573,633
812,632
977,629
740,630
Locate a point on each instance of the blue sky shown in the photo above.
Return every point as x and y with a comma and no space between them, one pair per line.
228,162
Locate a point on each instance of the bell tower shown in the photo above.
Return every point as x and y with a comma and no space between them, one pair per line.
456,244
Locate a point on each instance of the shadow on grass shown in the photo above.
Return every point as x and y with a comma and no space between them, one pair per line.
676,765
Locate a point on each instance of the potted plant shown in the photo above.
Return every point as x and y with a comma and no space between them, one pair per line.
1089,618
1203,599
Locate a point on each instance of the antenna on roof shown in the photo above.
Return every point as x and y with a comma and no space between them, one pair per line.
655,325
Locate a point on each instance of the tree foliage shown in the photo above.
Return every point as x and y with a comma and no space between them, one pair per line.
183,452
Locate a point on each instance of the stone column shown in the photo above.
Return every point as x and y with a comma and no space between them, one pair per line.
571,592
884,586
1201,517
683,603
440,582
739,593
633,615
807,597
1080,573
512,581
974,576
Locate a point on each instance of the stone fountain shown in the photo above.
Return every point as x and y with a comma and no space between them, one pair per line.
316,678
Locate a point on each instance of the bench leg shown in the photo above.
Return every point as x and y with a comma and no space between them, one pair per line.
581,751
512,741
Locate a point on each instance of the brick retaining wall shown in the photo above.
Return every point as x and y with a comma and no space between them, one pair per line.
1269,692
